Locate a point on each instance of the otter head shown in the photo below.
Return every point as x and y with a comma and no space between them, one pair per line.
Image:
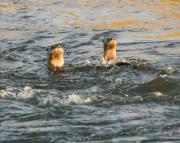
110,46
55,56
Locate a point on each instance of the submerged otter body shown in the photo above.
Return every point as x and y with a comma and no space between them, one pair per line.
55,57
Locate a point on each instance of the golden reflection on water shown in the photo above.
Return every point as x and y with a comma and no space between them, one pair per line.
113,24
164,36
73,14
161,16
13,6
10,6
155,16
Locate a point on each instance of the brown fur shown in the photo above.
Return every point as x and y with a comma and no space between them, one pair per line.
110,46
55,57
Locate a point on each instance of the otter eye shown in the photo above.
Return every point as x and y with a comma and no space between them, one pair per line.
52,47
47,49
110,38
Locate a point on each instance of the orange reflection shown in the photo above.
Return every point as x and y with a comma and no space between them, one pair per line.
15,6
9,6
164,36
74,15
124,23
114,24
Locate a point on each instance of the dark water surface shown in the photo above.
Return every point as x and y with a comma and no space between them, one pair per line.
139,103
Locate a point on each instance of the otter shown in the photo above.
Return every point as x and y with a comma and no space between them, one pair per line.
110,47
55,57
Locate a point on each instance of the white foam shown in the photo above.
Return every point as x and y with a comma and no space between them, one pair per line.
79,99
3,93
119,80
157,94
87,61
74,99
168,70
26,92
106,63
112,62
93,89
47,100
11,92
163,75
8,92
126,95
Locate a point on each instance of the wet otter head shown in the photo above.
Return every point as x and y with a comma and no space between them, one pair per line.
110,46
55,56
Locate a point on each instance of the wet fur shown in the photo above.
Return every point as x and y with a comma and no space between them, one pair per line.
110,46
55,57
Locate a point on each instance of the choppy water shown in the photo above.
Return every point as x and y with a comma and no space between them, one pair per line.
86,104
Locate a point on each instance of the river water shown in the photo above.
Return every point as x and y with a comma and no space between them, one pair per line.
139,103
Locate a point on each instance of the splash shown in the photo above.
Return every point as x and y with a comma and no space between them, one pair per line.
79,99
11,92
168,71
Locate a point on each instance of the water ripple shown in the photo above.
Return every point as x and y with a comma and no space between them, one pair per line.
88,101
